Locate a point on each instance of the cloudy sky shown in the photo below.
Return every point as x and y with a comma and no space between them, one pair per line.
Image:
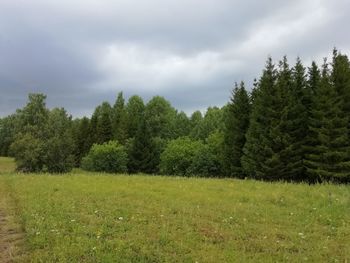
83,52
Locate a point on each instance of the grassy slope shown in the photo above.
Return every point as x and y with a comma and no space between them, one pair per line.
120,218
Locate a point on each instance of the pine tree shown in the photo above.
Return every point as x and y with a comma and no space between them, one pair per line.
236,125
120,120
330,159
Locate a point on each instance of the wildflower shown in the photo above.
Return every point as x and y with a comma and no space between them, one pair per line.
37,233
120,218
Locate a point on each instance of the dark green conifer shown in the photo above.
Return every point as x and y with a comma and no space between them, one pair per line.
236,125
329,123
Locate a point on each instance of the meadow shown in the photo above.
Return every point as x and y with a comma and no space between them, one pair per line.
91,217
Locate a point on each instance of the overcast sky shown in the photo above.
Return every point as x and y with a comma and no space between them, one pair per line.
82,52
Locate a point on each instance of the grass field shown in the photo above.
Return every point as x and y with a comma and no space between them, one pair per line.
119,218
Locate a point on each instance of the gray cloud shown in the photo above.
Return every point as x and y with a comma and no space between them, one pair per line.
81,53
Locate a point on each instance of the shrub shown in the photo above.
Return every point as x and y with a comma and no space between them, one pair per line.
109,157
179,155
28,152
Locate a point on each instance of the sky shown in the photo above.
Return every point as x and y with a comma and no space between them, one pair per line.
83,52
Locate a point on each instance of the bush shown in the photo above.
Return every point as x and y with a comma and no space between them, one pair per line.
179,155
58,154
109,157
28,152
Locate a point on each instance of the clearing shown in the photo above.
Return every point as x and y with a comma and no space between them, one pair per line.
90,217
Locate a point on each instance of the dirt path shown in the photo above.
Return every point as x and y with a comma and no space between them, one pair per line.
11,235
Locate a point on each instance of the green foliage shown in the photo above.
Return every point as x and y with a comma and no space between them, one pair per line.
44,141
260,157
208,160
119,120
58,148
294,125
179,155
104,131
237,122
212,122
330,159
82,139
182,125
160,116
134,110
108,157
7,133
142,150
29,152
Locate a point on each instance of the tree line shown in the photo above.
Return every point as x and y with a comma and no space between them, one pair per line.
294,125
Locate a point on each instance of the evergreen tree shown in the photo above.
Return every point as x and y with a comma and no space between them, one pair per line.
330,159
83,140
94,123
120,120
142,150
237,122
104,124
340,78
294,125
264,141
134,110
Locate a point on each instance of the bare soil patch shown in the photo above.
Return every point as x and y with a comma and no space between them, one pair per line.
11,235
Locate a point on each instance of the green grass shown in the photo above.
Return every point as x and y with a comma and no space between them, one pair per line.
118,218
7,165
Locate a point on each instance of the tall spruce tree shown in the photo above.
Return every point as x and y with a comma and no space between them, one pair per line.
261,158
142,150
104,124
83,140
134,109
340,78
236,125
329,122
294,125
119,120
